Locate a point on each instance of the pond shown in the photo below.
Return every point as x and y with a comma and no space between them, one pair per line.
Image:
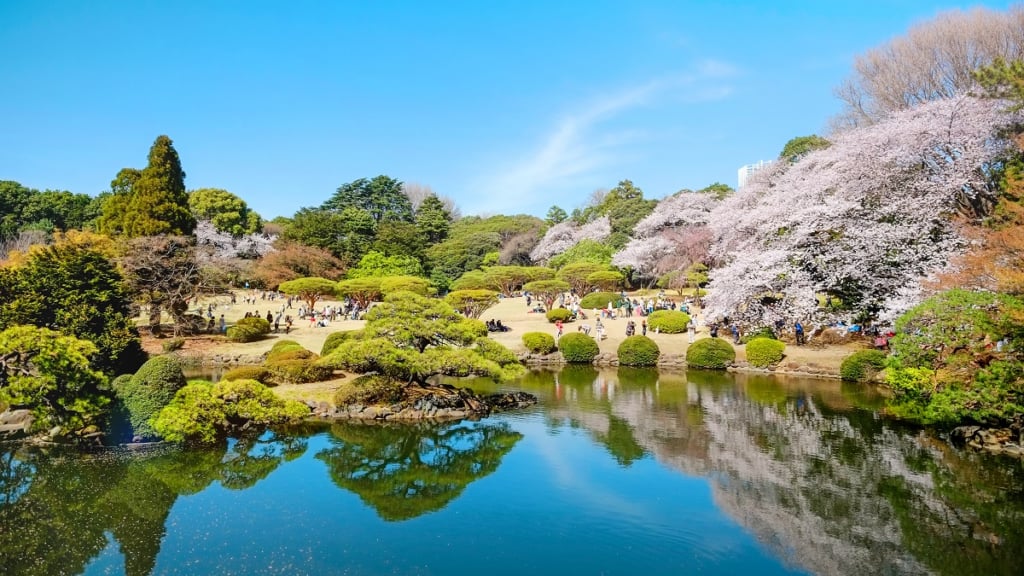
613,472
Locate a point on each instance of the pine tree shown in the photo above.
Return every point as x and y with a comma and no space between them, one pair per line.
155,202
433,219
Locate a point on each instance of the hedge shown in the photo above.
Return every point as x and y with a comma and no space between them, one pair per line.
599,300
764,352
712,353
638,351
862,366
539,342
578,347
668,321
556,314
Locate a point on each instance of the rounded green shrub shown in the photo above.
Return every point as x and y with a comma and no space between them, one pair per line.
764,352
599,300
539,342
762,332
291,354
861,366
556,314
668,321
336,338
712,353
149,390
577,347
638,351
298,371
284,346
258,373
260,324
244,333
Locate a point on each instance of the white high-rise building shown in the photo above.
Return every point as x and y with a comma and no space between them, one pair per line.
745,171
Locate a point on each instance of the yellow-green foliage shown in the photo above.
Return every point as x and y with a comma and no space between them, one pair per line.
258,373
577,347
764,352
861,366
668,321
289,363
556,314
599,300
337,338
638,351
243,334
539,342
368,390
711,353
204,413
414,284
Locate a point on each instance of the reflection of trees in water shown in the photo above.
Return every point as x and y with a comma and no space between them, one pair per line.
67,503
406,470
826,486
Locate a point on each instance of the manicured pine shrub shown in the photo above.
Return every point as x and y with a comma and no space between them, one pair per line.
638,351
336,338
556,314
539,342
577,347
710,353
599,300
764,352
862,366
243,333
147,392
668,321
258,373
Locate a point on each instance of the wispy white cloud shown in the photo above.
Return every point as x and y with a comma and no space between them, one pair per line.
581,143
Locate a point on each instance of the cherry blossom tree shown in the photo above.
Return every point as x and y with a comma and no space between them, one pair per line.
864,220
564,236
671,237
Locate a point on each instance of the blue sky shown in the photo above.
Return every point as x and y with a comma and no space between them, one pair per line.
507,107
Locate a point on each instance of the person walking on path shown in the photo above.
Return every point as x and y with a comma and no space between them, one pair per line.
643,327
735,333
798,328
558,327
691,330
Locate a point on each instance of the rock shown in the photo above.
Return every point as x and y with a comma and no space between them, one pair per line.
963,434
15,416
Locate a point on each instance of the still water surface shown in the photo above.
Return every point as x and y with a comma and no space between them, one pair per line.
615,472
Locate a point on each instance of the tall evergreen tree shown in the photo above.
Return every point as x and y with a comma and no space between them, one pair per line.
381,197
152,201
433,219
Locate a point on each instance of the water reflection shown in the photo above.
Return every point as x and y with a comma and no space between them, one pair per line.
404,470
809,468
59,506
